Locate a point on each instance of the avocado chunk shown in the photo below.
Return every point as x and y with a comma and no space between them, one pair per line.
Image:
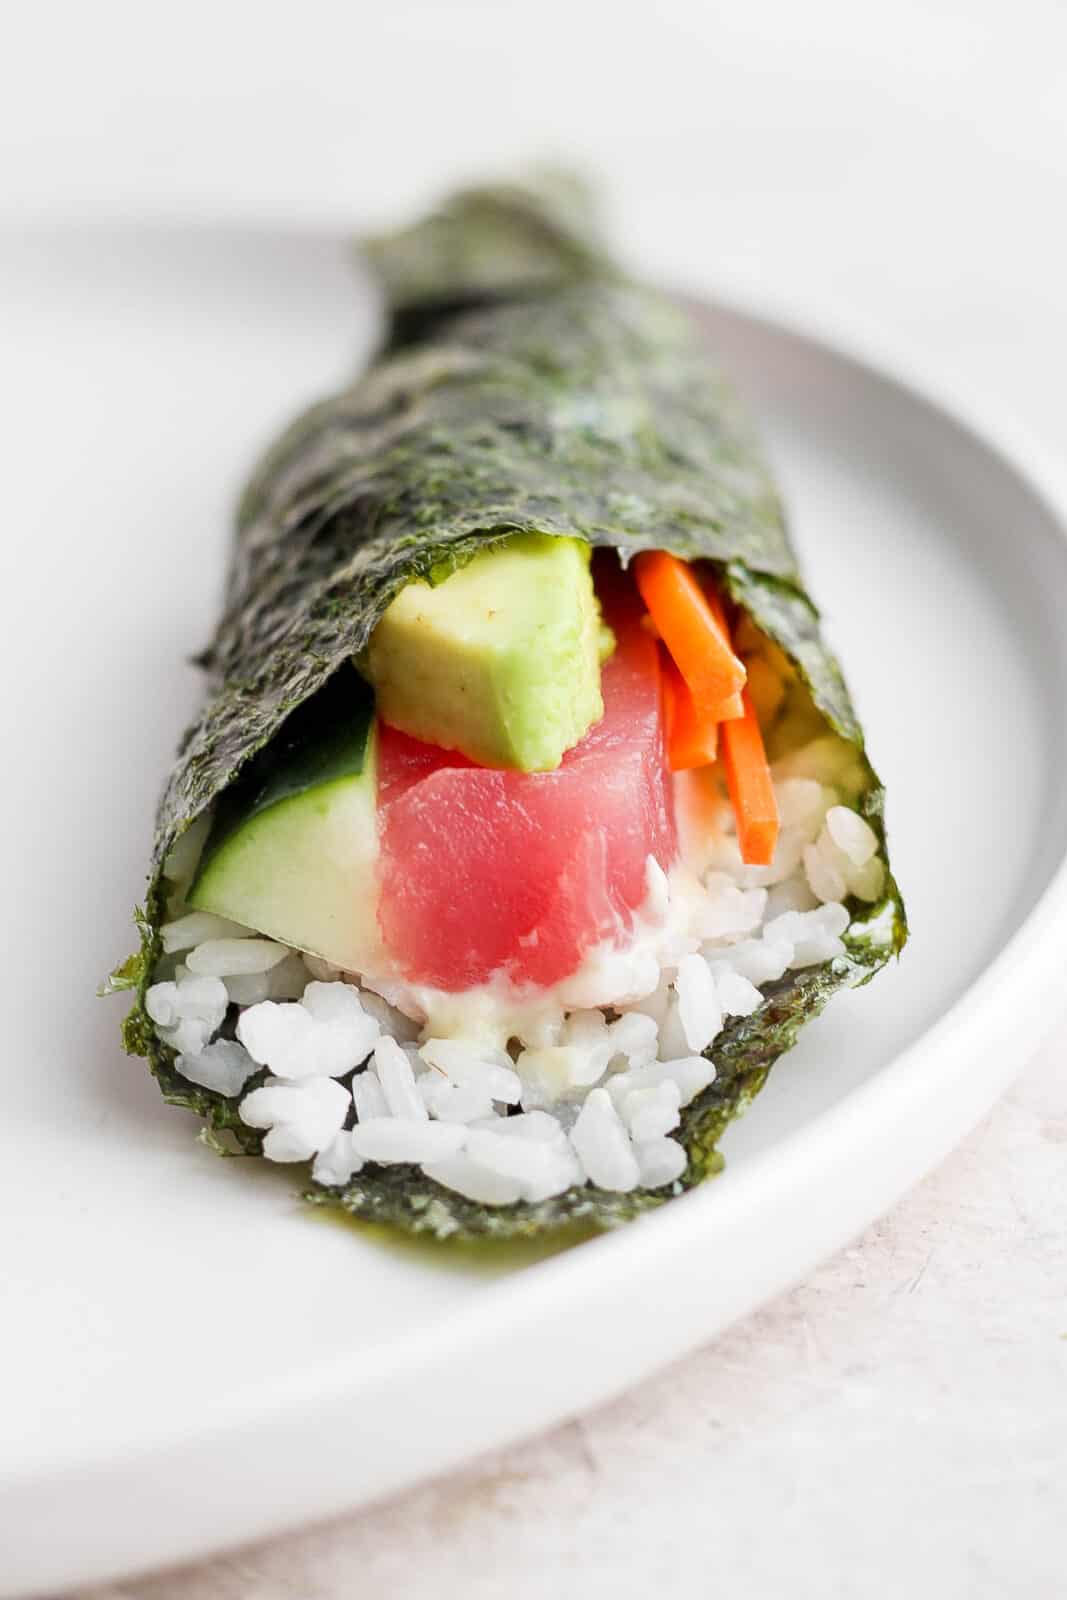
293,849
500,660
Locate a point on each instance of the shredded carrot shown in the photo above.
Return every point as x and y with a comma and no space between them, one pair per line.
730,708
694,633
748,778
704,686
692,739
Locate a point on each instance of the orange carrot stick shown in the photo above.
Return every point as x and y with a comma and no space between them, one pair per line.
692,739
731,707
695,636
748,778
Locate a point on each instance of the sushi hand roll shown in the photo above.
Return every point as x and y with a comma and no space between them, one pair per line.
527,817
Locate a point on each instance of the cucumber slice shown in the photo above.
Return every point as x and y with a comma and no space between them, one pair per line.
293,850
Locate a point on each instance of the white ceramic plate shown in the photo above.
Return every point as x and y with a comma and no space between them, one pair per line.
190,1357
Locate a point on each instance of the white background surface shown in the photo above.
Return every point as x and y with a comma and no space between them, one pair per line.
898,1422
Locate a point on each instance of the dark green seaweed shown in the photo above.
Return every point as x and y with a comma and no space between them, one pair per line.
525,385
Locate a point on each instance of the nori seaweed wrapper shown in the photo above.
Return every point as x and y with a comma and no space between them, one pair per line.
524,384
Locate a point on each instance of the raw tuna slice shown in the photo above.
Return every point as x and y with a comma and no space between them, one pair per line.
485,871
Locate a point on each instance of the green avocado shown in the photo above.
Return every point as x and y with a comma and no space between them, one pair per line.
293,848
500,660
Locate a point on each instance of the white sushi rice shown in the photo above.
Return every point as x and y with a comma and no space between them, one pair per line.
659,1162
197,926
467,1177
603,1146
653,1112
394,1072
188,1012
368,1097
235,958
699,1010
393,1139
504,1095
302,1118
325,1034
453,1102
224,1066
